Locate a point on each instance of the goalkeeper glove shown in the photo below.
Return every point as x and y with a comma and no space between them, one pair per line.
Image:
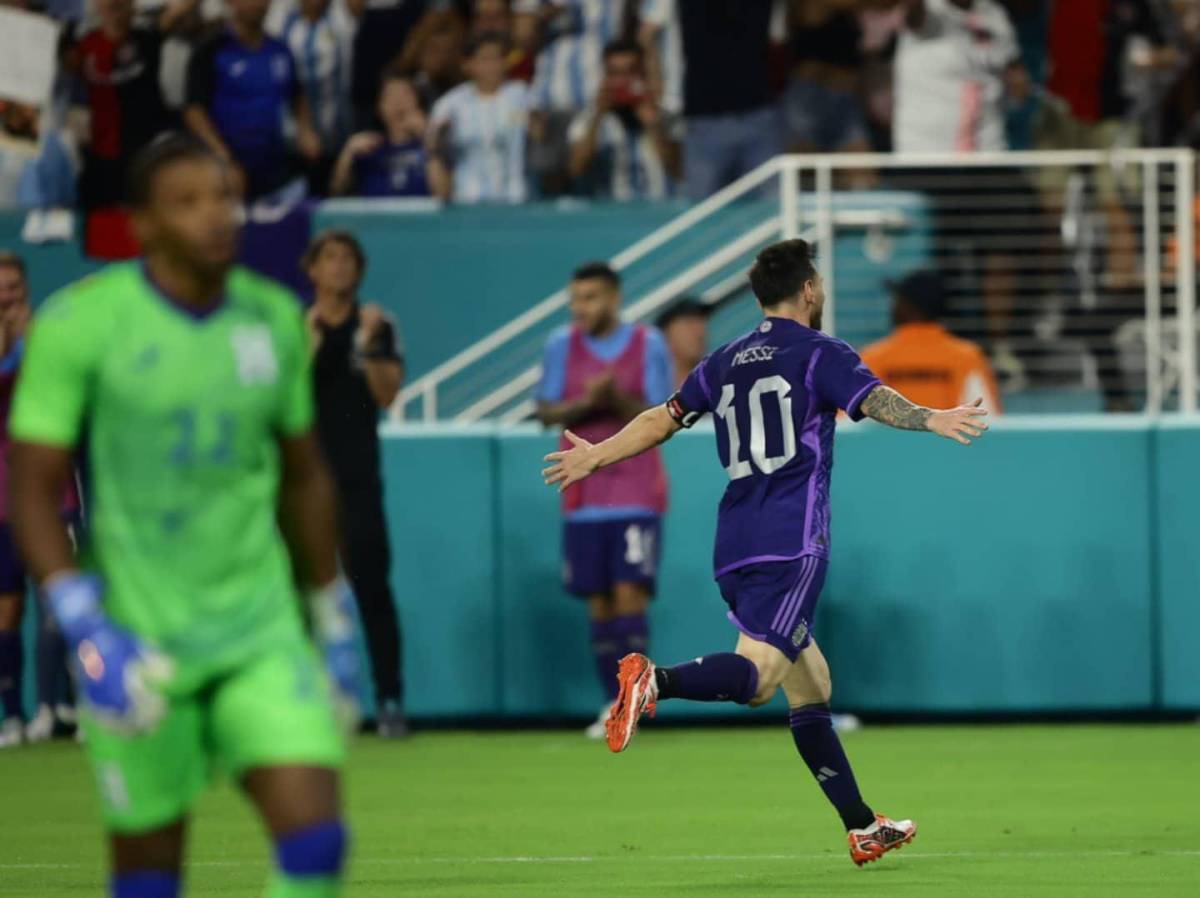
120,676
335,622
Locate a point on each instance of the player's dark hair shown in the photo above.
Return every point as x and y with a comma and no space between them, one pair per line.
599,271
479,41
161,153
780,271
335,235
622,45
9,259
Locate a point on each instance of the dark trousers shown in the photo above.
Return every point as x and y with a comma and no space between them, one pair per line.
366,558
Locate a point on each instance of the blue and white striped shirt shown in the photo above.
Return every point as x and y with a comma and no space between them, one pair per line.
570,67
486,136
662,15
323,51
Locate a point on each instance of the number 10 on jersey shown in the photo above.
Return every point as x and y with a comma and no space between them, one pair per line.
727,412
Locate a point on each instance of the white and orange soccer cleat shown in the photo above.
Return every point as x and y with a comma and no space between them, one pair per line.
638,691
879,838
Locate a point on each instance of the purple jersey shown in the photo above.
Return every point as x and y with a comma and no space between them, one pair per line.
774,395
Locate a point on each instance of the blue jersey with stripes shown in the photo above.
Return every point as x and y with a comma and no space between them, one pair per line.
774,395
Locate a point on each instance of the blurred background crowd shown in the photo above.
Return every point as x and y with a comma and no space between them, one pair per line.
505,101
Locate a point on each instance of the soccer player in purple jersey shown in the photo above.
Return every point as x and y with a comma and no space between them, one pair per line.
774,394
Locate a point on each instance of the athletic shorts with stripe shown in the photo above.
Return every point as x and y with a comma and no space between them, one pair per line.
774,602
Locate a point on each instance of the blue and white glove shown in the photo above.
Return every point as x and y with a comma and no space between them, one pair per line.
335,622
120,676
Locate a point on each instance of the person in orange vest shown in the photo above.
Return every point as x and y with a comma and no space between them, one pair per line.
923,360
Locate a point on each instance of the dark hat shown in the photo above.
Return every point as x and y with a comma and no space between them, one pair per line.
684,308
923,289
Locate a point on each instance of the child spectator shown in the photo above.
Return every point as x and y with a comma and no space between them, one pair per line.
393,162
477,136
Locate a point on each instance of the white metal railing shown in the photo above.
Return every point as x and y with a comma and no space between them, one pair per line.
802,196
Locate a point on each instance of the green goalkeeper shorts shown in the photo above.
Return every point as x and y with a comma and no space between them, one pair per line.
275,710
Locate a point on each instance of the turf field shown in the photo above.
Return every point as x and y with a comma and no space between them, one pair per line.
1017,811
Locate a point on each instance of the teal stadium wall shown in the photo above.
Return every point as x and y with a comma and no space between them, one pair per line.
1047,569
1052,567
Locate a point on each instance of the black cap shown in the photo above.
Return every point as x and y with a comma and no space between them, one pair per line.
923,289
684,308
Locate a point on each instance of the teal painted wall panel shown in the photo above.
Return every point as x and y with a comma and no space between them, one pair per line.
1014,575
543,630
50,265
452,277
997,578
442,530
1178,492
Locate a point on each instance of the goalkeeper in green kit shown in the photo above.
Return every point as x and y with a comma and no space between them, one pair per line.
185,381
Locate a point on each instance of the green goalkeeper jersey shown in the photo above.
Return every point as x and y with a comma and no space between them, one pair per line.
179,416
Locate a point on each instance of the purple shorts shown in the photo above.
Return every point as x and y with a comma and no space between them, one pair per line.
597,555
12,571
775,602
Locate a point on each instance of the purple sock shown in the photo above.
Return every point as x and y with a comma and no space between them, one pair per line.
723,677
607,646
819,745
633,634
11,661
144,884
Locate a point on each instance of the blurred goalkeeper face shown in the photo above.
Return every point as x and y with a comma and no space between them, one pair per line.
595,305
191,215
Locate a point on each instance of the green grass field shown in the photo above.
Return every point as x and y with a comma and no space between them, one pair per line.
1019,811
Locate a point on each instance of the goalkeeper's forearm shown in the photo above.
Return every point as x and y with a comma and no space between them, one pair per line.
38,482
651,428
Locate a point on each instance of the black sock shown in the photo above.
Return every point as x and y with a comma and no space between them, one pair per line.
723,677
821,749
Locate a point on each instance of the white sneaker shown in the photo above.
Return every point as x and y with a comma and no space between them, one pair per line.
66,714
41,728
596,729
12,732
846,723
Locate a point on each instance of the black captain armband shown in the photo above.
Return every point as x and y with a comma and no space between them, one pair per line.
681,415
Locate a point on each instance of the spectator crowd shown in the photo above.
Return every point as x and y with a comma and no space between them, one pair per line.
503,101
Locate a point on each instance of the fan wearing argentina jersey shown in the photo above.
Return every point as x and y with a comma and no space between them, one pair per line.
477,131
186,381
774,395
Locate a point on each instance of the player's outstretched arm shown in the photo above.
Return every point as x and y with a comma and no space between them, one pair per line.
960,424
647,430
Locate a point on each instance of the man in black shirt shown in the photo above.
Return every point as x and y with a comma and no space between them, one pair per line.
733,123
358,369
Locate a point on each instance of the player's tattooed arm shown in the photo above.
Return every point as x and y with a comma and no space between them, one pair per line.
888,407
960,424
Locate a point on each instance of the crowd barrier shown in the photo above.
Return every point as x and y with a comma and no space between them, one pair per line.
1051,567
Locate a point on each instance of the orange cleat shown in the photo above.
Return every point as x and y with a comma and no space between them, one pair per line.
637,693
879,838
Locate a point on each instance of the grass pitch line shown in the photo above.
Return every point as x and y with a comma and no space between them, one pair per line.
672,858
